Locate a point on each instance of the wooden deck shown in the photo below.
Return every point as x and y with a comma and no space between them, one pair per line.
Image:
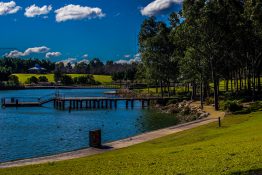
71,103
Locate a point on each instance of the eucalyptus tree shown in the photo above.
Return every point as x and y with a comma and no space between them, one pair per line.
253,25
156,51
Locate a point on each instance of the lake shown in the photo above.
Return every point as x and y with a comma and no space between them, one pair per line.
40,131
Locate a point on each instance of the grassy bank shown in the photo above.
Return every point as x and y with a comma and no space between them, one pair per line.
104,79
233,149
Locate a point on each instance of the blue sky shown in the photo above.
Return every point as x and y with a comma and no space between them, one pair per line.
106,29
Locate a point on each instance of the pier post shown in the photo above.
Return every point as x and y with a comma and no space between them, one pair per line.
148,103
143,104
59,104
70,104
86,104
77,104
74,104
81,104
132,103
106,104
98,104
94,104
111,105
3,102
126,104
90,104
102,103
115,104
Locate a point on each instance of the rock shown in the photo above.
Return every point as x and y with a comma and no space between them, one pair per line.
204,115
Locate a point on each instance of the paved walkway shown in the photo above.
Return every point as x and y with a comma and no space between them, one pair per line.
120,143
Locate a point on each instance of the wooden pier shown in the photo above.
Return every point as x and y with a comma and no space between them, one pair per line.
77,103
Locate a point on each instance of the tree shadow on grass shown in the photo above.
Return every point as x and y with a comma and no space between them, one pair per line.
249,172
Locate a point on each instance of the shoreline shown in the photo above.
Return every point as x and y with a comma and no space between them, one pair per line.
123,143
58,87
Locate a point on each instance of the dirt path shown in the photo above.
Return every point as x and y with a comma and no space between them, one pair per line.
121,143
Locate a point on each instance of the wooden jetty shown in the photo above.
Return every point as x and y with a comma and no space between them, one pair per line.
75,103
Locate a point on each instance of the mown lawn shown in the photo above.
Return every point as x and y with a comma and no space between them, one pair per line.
104,79
236,148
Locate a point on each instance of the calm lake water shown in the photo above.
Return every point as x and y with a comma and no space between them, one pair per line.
39,131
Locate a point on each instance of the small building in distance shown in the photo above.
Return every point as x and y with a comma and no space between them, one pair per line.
37,69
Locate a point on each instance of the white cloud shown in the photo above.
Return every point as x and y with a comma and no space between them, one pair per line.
72,61
34,10
84,61
42,49
127,56
16,53
158,6
8,8
85,56
52,54
135,59
77,12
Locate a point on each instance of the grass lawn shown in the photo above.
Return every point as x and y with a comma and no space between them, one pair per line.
236,148
104,79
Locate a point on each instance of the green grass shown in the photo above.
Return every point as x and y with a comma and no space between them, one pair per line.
153,90
104,79
236,148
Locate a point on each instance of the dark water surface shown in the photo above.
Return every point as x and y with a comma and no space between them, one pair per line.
39,131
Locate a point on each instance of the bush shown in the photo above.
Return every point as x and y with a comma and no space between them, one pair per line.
256,106
172,101
67,80
43,79
243,111
31,80
209,101
86,80
14,79
232,106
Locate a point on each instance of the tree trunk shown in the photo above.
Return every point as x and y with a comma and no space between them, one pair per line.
161,85
168,88
174,90
226,85
193,97
258,83
216,94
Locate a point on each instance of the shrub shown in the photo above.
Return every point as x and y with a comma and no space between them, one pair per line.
243,111
67,80
209,101
232,106
14,79
172,101
256,106
31,80
43,79
86,80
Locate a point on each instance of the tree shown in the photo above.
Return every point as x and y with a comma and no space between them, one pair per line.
43,79
156,52
32,80
4,73
67,80
14,79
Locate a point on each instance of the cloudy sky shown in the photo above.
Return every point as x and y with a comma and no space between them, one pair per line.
79,29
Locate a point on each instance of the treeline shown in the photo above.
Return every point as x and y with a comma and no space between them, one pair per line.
97,67
208,41
119,71
17,65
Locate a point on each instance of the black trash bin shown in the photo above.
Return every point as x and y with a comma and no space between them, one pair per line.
95,138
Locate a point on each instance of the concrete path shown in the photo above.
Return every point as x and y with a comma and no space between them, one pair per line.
120,143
